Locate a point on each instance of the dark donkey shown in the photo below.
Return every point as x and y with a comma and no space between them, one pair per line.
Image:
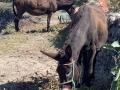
89,30
39,7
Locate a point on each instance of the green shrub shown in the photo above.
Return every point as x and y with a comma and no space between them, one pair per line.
116,82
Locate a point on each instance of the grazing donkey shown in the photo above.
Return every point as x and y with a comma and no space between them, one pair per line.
39,7
87,35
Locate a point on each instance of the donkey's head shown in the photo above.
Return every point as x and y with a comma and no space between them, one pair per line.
67,69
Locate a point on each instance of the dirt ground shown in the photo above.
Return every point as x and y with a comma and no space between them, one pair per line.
25,61
20,56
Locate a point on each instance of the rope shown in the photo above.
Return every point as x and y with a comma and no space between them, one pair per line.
72,80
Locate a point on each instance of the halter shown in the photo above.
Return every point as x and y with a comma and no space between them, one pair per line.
73,73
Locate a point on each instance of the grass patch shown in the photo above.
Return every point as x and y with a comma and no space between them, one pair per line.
9,42
9,29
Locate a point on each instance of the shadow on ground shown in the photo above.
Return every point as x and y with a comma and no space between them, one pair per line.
6,17
37,83
59,39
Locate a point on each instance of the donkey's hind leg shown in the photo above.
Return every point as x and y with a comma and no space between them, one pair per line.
18,16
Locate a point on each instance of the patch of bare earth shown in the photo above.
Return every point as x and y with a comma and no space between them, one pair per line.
22,65
23,60
33,23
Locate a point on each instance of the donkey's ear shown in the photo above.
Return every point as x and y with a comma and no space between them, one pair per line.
55,56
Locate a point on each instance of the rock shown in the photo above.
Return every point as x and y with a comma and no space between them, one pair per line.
104,64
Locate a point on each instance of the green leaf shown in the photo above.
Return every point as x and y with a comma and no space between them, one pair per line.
115,44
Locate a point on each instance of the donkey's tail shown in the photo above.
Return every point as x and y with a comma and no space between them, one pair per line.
14,9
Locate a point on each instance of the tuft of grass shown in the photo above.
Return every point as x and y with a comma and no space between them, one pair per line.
9,29
10,42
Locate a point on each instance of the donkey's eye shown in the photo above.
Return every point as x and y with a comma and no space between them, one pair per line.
67,72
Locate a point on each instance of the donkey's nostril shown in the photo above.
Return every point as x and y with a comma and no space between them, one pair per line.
66,87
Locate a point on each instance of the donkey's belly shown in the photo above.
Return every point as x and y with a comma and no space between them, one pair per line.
37,12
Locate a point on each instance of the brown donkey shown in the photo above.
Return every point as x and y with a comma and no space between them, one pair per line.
39,7
85,37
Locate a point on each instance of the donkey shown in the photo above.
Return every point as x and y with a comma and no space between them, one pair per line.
87,35
39,7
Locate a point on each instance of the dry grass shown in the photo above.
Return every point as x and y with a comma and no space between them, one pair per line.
9,42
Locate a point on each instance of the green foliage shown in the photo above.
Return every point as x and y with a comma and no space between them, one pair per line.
116,81
115,5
